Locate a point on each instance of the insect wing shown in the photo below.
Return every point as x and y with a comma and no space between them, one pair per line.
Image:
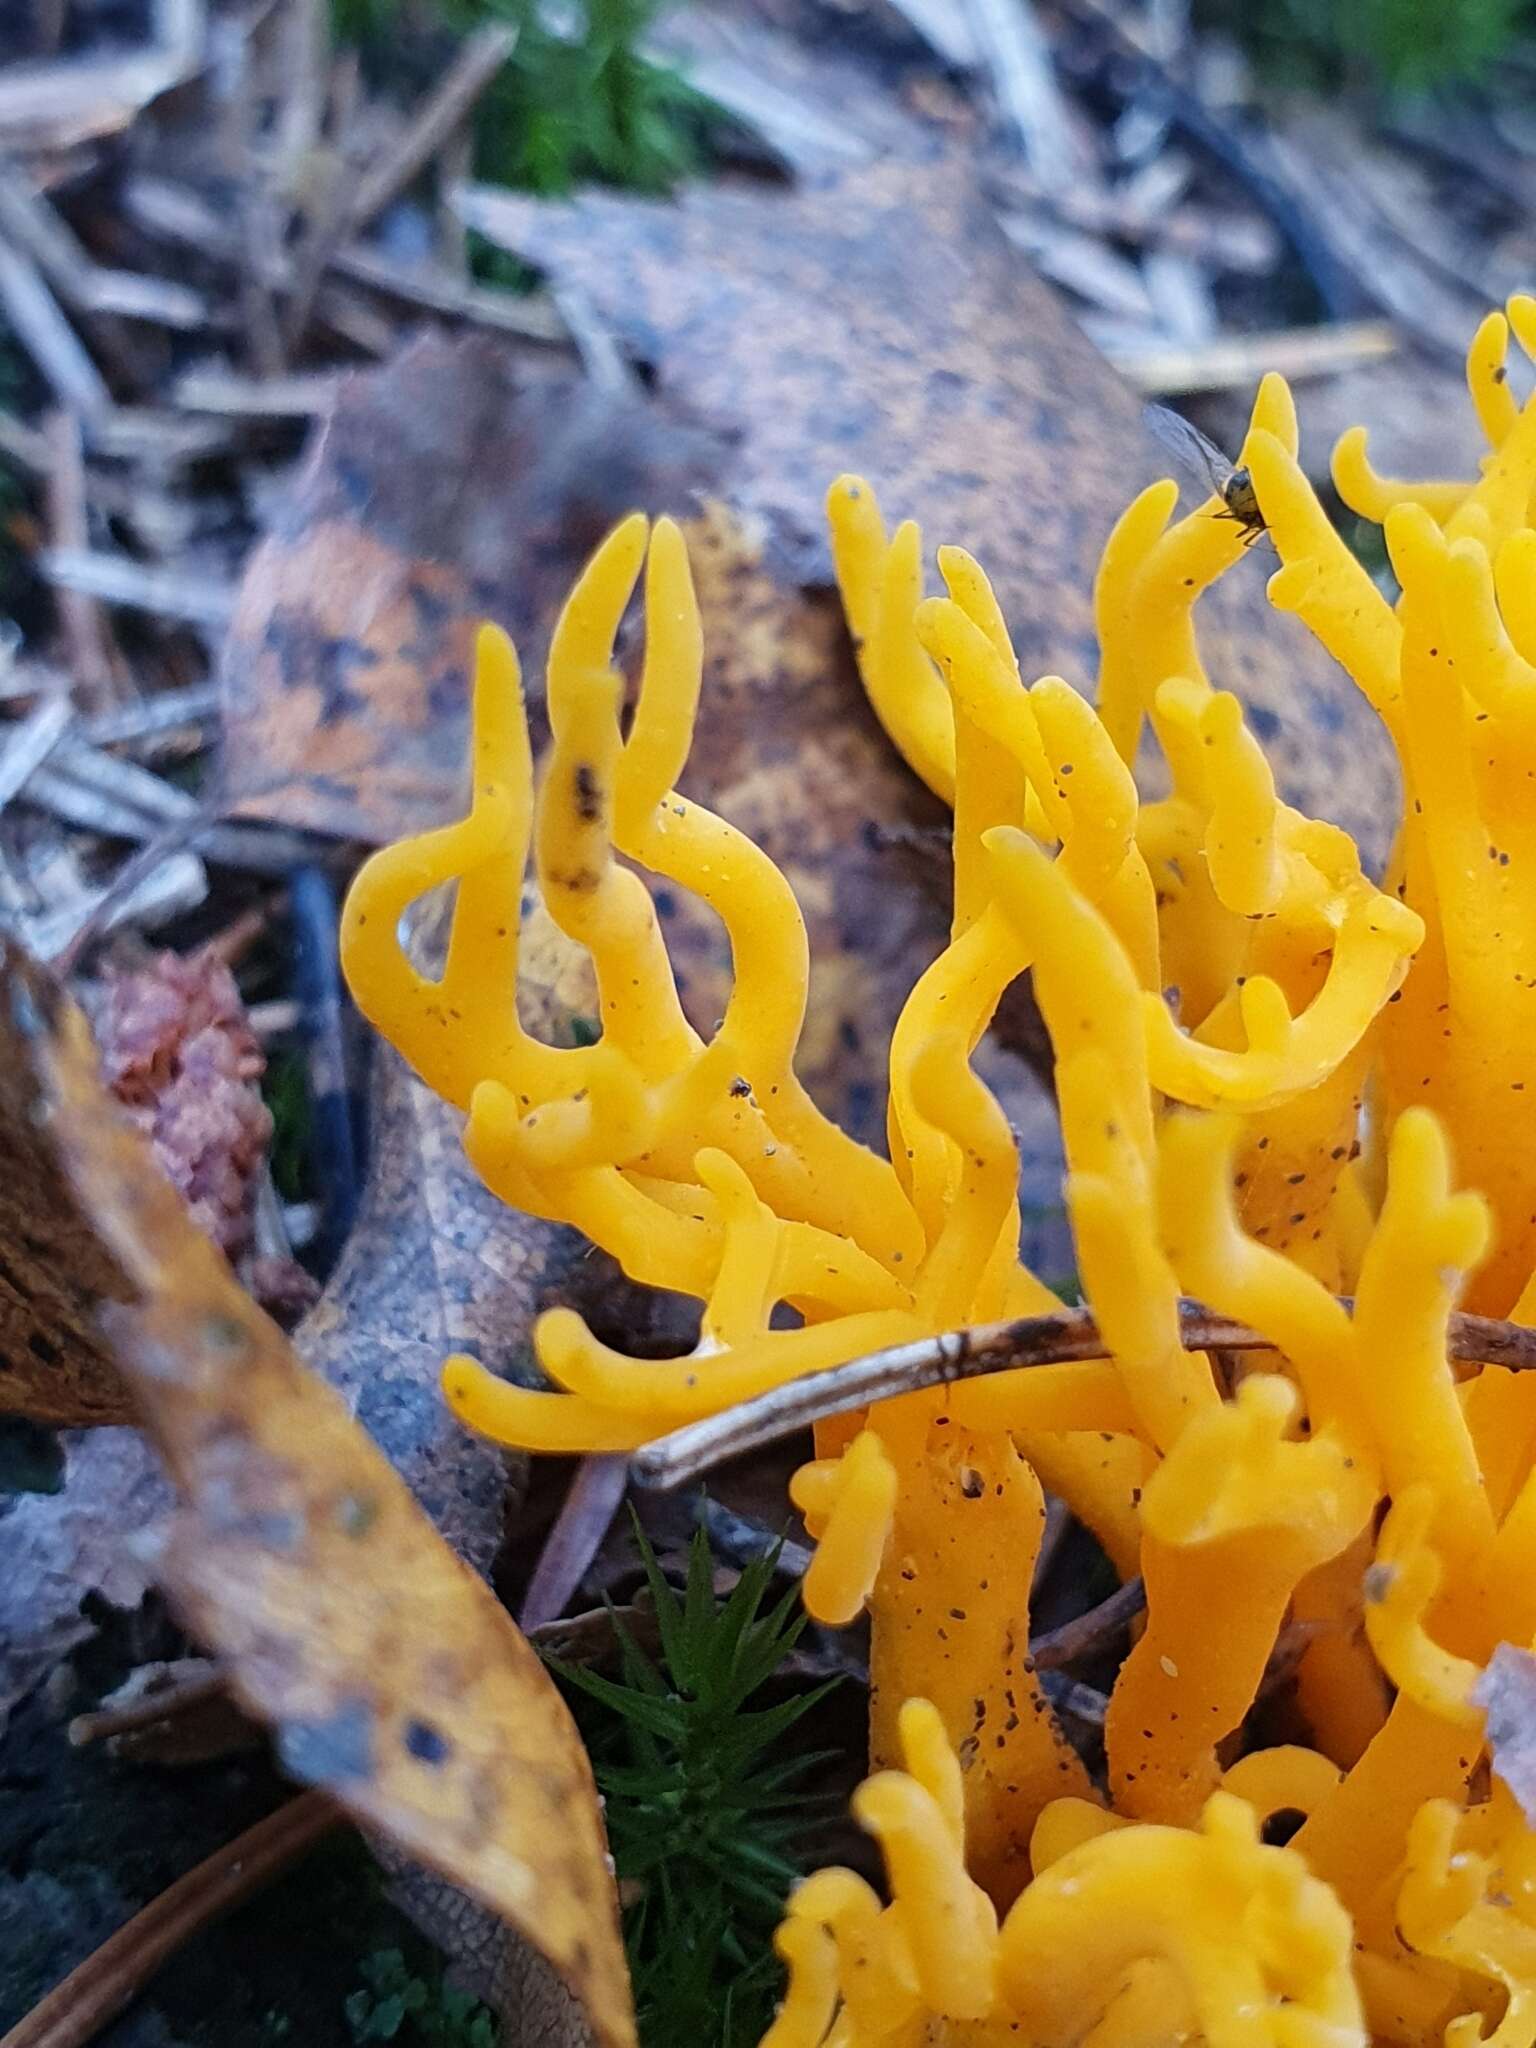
1195,455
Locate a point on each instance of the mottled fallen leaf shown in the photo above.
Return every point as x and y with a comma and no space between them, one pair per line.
876,319
1507,1694
54,1270
389,1674
447,487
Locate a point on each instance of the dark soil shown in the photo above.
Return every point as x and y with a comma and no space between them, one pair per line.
86,1840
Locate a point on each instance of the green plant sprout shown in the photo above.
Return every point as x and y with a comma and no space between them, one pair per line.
395,2005
702,1815
575,100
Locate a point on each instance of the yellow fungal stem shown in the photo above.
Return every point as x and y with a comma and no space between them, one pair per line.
949,1617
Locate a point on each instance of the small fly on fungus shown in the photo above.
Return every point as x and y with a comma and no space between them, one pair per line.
1201,458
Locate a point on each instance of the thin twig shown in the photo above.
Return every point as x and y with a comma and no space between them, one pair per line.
27,744
57,105
37,228
167,593
303,394
94,1993
1236,361
196,705
433,122
1078,1702
176,883
1069,1337
47,336
1088,1632
276,1019
245,846
83,622
24,446
1058,1519
175,1697
533,319
582,1523
1018,57
740,1541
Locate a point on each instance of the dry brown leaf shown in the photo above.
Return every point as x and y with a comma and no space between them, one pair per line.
877,320
54,1270
390,1675
445,488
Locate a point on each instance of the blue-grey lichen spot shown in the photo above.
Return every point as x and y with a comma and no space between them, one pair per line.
332,1751
427,1744
225,1335
356,1514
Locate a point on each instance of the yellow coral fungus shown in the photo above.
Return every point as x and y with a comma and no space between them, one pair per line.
1224,987
1450,669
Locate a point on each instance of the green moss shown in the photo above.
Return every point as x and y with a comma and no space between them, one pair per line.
31,1457
1404,45
566,108
703,1818
393,2003
285,1090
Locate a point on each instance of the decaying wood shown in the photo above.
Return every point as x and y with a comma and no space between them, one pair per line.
434,1264
55,1272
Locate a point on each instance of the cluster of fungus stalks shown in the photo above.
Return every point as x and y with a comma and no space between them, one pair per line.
1226,990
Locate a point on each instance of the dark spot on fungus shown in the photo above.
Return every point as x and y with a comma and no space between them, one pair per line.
589,798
